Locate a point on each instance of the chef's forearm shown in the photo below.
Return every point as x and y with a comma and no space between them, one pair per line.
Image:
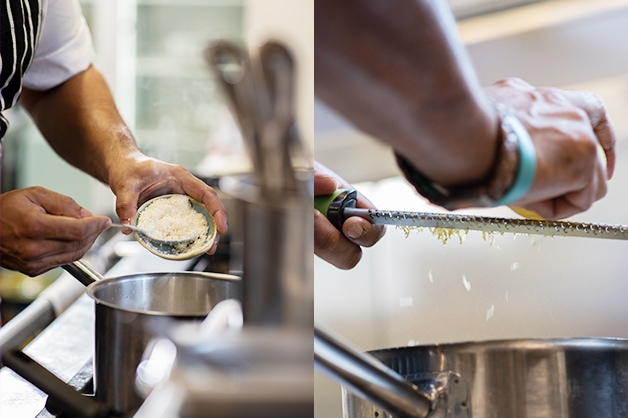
80,120
397,71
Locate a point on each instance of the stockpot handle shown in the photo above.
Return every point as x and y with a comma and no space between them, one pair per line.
61,396
364,375
82,272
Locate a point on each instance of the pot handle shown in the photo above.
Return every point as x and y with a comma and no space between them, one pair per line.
82,272
371,379
61,396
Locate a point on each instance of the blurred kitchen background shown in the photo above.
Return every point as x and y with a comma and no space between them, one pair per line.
418,290
151,53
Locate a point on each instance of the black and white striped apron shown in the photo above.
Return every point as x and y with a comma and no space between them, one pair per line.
20,23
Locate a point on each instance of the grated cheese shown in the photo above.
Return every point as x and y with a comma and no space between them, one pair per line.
173,218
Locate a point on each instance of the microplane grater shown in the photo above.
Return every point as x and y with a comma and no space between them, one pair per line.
489,224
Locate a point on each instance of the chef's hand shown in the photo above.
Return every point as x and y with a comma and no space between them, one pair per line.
343,250
139,178
41,229
566,128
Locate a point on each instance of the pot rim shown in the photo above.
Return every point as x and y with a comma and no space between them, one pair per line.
534,343
95,286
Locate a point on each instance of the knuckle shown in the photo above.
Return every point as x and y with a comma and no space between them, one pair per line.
346,260
31,256
32,228
327,246
554,96
372,236
32,270
326,241
588,151
596,101
351,261
582,116
511,82
77,255
586,158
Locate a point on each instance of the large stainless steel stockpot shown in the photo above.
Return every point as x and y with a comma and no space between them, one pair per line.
123,308
531,378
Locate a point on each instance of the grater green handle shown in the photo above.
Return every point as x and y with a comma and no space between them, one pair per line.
334,205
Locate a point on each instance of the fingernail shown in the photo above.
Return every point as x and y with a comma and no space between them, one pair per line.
355,231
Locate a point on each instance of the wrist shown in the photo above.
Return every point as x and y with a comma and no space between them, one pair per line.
121,153
510,177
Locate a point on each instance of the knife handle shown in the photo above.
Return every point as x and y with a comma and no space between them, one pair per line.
333,205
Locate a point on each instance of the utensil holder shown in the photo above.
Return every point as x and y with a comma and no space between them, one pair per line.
277,241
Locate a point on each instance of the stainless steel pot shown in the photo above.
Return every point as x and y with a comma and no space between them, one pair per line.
124,305
533,378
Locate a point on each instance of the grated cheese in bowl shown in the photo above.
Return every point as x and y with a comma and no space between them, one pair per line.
173,218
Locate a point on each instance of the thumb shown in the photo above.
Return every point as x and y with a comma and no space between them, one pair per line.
126,206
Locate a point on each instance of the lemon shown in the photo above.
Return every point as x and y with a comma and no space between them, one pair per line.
526,213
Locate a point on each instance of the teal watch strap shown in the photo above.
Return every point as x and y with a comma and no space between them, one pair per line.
508,180
527,161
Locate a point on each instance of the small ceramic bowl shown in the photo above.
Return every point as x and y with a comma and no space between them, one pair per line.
196,248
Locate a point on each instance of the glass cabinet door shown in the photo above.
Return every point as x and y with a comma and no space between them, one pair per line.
163,86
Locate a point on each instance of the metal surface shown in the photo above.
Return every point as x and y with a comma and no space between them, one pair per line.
370,378
63,348
41,312
83,272
274,201
80,407
277,237
278,71
238,373
123,307
341,205
259,89
490,224
66,344
234,74
553,378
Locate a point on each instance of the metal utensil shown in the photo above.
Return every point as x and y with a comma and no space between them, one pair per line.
259,90
341,206
278,72
370,378
234,73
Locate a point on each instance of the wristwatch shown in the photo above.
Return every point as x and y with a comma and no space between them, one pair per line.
508,180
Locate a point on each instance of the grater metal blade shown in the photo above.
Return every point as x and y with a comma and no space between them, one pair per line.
489,224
